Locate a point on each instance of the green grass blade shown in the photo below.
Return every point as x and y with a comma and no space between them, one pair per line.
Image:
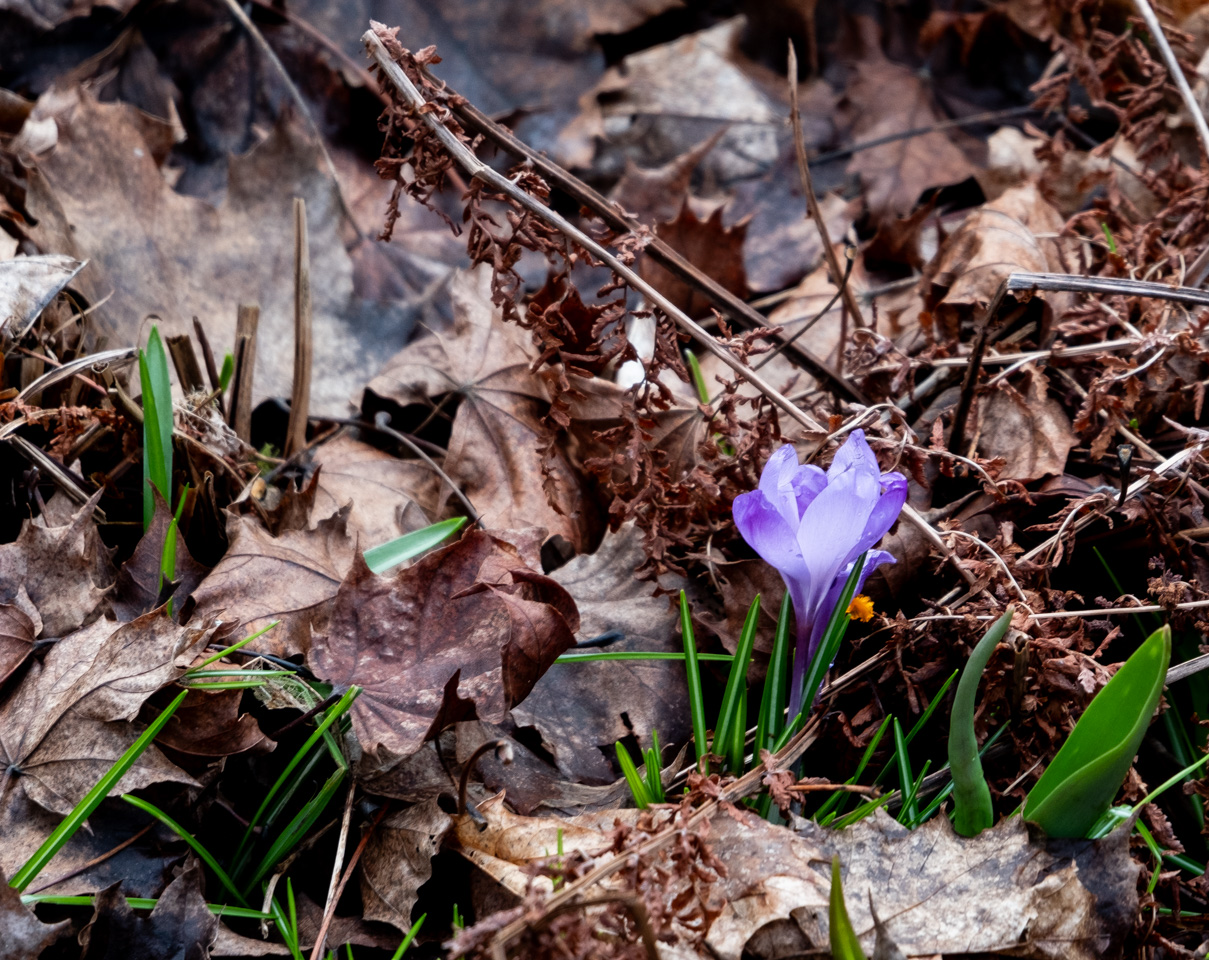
292,835
654,769
737,747
903,760
843,941
912,819
411,935
393,552
837,799
141,903
696,699
776,683
936,701
168,554
185,835
972,808
231,649
227,372
736,685
157,424
1080,783
83,810
642,798
333,714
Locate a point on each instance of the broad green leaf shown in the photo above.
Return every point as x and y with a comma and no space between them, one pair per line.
1080,783
843,941
972,810
393,552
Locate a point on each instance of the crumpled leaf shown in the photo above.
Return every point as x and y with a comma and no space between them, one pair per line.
1028,429
582,709
494,448
210,724
467,628
936,893
27,285
65,725
995,240
180,927
398,861
63,569
888,98
708,244
22,935
291,577
100,195
656,194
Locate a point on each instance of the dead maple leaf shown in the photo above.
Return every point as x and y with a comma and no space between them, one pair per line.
495,448
398,861
1027,427
582,709
22,935
291,577
467,628
67,722
656,194
209,724
62,568
138,586
707,244
888,98
17,634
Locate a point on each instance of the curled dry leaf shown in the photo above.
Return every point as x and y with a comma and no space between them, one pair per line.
66,723
137,588
22,935
397,861
1028,429
582,709
494,450
468,628
210,724
27,285
64,570
997,239
291,577
656,194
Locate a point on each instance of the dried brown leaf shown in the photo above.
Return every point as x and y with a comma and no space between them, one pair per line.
22,935
709,245
468,628
17,635
1030,430
397,861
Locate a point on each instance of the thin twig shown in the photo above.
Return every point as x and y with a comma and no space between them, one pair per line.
330,913
300,398
477,169
93,862
812,201
987,547
1109,285
382,425
329,906
1173,68
958,432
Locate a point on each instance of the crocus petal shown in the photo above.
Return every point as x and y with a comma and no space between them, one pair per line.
769,534
776,483
823,614
855,454
884,512
832,527
808,483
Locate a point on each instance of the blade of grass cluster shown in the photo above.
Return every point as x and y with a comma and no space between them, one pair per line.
638,788
289,934
972,808
185,835
411,935
297,828
83,810
837,626
776,683
140,903
654,769
909,815
696,700
737,747
903,760
157,423
842,938
231,649
393,552
836,800
168,554
1080,783
333,714
730,715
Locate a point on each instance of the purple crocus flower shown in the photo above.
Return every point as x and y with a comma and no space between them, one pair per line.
812,526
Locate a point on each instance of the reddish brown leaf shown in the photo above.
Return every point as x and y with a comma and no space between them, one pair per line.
1030,430
137,588
708,244
466,629
209,724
